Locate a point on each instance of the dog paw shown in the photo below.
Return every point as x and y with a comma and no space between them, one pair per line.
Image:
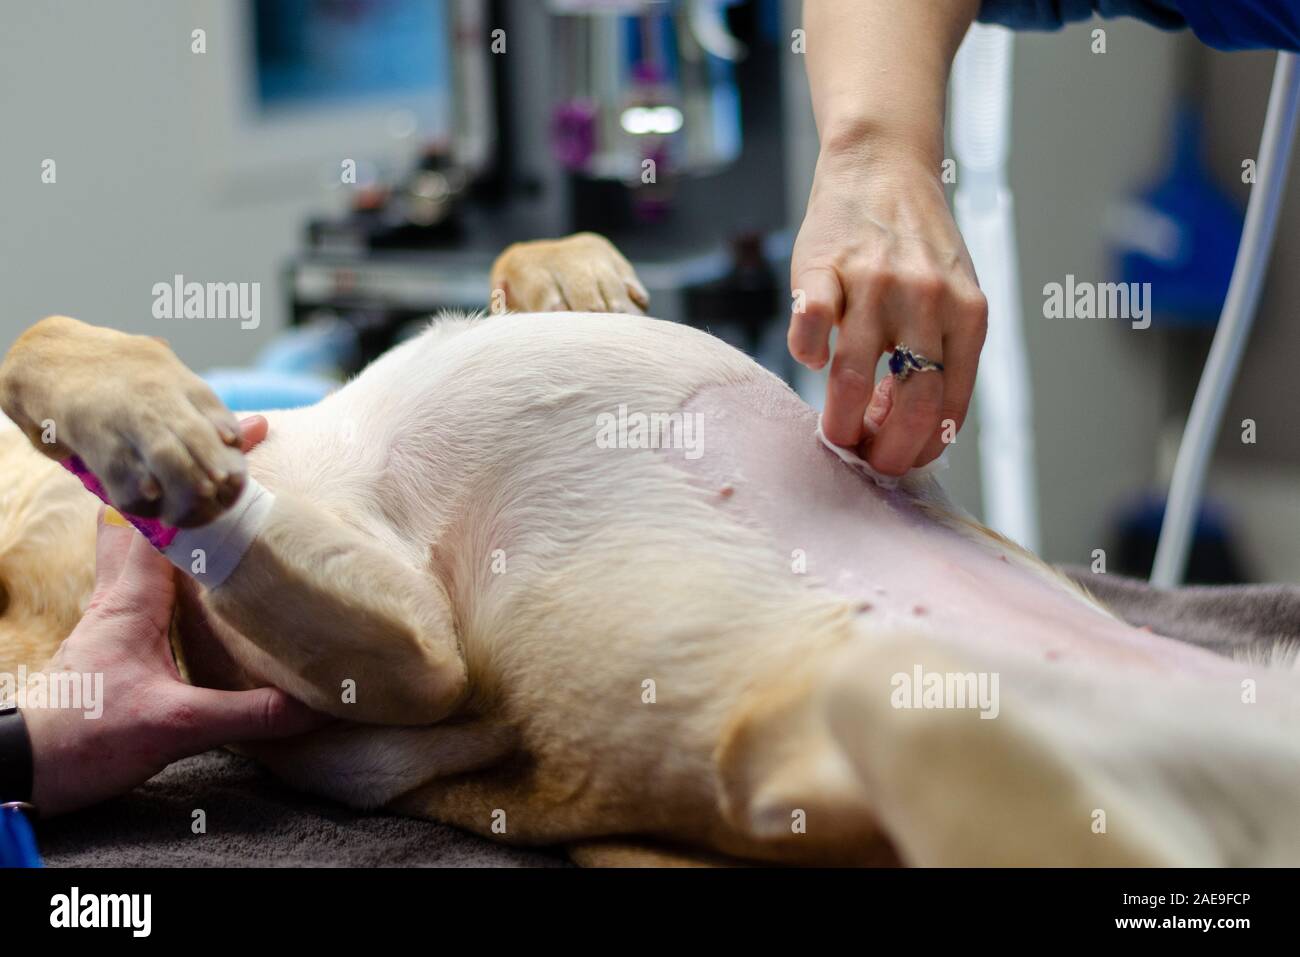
158,438
580,273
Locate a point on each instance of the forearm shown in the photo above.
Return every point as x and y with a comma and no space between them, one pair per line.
878,70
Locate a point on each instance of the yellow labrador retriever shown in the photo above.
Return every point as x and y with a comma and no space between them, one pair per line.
590,577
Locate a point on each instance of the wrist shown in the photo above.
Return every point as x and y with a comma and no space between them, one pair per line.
876,163
46,782
874,145
16,764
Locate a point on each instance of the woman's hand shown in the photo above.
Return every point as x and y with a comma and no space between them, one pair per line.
150,716
880,257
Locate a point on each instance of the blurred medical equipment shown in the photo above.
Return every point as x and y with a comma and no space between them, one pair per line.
984,209
297,86
1217,556
650,89
981,109
649,122
1234,325
1180,234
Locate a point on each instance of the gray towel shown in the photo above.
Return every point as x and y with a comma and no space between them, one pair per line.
255,821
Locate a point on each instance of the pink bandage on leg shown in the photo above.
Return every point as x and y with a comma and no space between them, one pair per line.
207,554
157,534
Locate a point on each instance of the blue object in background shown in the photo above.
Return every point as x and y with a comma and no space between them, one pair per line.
323,52
255,390
17,842
320,347
1181,235
298,368
1215,557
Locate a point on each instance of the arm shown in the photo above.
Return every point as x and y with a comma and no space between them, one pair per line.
879,255
878,70
141,715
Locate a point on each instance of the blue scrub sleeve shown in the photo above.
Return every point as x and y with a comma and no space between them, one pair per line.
1223,24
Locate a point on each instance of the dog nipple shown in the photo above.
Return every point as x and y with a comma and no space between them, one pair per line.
864,607
920,611
727,490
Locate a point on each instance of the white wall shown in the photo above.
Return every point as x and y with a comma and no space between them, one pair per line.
113,93
1090,130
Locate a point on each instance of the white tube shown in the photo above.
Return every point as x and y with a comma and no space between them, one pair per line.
1234,327
984,207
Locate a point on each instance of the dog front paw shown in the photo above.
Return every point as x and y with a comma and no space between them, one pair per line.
160,441
580,273
166,448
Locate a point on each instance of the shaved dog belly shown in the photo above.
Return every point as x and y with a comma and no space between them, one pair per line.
763,464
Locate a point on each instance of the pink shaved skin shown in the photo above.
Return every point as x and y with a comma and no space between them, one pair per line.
878,548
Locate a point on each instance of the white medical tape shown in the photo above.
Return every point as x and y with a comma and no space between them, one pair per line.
217,548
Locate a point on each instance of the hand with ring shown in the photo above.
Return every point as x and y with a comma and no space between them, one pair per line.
879,258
